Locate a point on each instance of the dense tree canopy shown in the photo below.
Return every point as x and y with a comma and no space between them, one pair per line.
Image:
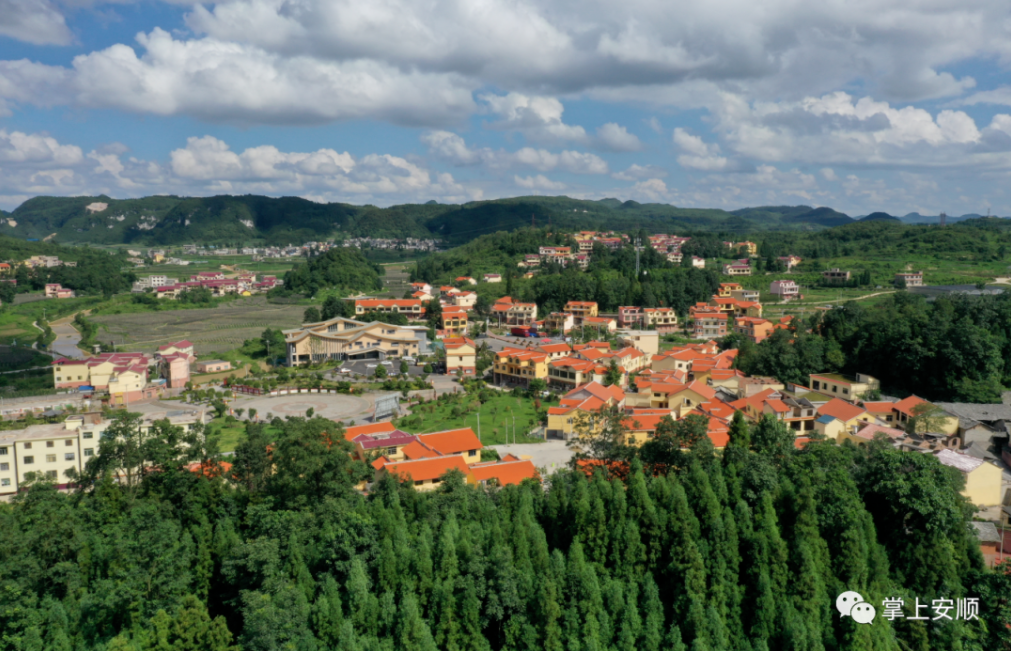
957,347
342,268
743,552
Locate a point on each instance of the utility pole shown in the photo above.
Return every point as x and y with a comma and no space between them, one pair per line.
479,424
514,425
638,241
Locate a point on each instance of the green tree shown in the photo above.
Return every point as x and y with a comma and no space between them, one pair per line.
380,372
311,315
613,374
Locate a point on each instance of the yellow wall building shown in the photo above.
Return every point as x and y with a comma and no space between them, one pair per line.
982,479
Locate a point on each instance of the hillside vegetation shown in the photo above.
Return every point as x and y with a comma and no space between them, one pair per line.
237,220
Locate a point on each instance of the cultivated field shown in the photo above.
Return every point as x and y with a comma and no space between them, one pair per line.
212,330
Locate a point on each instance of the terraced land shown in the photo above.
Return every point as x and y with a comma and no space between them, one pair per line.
212,330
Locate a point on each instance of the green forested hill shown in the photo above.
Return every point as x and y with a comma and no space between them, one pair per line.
236,220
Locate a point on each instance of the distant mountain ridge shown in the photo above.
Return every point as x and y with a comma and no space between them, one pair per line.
249,219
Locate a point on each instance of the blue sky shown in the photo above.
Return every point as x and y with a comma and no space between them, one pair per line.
887,105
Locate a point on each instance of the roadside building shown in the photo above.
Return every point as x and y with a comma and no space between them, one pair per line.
784,290
494,278
836,276
581,310
213,366
909,279
561,321
461,353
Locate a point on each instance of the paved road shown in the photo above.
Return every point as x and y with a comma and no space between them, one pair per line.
67,338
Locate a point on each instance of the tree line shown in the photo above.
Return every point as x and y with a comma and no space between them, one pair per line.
743,551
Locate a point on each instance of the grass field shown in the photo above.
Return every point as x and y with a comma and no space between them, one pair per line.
497,416
212,330
230,435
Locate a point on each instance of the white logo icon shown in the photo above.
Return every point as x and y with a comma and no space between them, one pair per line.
851,604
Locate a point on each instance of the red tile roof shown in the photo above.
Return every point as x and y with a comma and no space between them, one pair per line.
841,409
426,469
351,433
506,472
906,405
452,441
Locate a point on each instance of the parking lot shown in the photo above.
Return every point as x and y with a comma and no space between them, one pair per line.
367,368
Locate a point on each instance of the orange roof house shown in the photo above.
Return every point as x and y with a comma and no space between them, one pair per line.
425,473
505,472
455,441
351,433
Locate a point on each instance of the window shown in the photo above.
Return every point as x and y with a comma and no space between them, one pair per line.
69,442
87,435
50,474
29,460
418,483
50,458
89,452
68,456
50,444
5,466
3,451
57,378
28,446
5,482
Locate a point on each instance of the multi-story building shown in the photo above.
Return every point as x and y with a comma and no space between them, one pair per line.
509,312
340,338
739,268
698,263
454,321
785,290
461,353
909,279
709,324
663,319
117,373
520,366
409,307
754,328
727,290
836,276
581,310
790,261
587,398
560,321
